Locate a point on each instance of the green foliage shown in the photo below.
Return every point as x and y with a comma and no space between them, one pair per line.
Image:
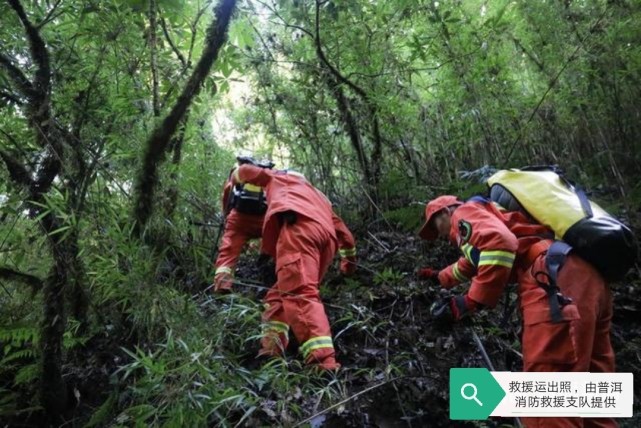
72,338
19,344
27,374
101,415
19,335
388,276
407,219
194,378
20,361
454,86
360,319
465,189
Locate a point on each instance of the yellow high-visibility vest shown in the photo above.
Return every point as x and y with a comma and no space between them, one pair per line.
550,199
546,198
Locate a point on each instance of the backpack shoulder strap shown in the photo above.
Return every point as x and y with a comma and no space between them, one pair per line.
585,202
554,260
580,193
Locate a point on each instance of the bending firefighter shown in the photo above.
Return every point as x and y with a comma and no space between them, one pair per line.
566,311
302,233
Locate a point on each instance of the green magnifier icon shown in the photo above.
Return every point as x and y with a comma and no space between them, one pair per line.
472,396
474,393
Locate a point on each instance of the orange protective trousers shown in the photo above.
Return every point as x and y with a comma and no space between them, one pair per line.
239,228
579,343
304,252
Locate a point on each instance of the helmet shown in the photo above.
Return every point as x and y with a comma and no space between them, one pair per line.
433,207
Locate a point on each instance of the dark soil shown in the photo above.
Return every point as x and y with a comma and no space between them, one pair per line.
394,337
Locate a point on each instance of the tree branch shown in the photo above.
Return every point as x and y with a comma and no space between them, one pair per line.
18,172
350,124
551,85
153,13
13,275
38,50
373,173
330,67
285,23
15,143
179,55
18,77
187,63
194,30
157,144
10,97
48,135
50,15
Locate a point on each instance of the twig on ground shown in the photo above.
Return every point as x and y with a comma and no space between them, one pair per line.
347,400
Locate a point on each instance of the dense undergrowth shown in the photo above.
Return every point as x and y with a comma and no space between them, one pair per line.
168,353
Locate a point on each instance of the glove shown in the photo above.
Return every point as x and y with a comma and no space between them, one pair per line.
428,273
453,308
223,283
348,265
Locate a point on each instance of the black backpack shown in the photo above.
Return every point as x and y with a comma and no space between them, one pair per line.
247,198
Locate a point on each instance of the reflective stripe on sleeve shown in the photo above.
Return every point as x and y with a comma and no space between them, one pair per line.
457,273
347,252
467,251
497,257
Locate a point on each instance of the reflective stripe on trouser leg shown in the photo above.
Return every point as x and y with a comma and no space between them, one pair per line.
315,343
224,269
275,338
275,329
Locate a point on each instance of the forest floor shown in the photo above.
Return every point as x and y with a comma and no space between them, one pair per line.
387,341
395,358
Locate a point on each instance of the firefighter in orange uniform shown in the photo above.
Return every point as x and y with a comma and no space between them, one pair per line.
241,225
302,233
565,328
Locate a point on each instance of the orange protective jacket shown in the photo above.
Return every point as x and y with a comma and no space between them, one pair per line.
493,242
287,191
